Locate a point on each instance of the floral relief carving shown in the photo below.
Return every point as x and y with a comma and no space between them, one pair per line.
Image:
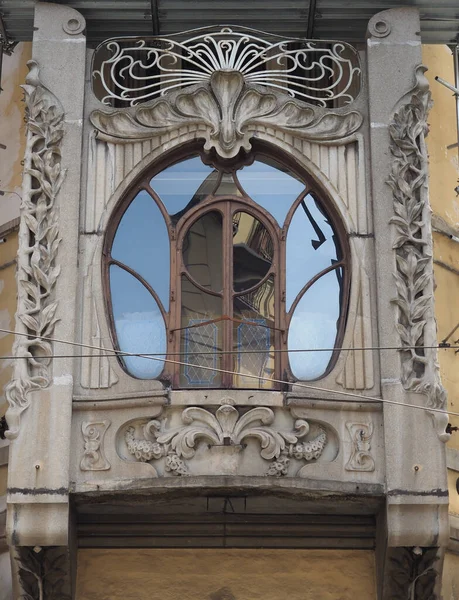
412,573
93,436
44,573
228,109
361,458
38,247
412,245
226,428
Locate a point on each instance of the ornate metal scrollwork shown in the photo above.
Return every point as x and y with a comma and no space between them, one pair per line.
324,73
238,82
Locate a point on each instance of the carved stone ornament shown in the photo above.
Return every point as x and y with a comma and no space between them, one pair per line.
411,574
226,428
93,435
414,270
361,458
38,247
132,71
228,109
227,83
43,573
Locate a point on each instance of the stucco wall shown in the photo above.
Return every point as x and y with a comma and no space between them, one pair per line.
12,130
12,135
450,587
229,574
444,174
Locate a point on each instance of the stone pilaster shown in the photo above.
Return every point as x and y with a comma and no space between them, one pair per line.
40,394
417,497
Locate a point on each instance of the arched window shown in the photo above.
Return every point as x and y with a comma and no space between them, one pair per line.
230,274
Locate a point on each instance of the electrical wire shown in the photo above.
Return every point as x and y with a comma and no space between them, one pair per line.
257,377
222,352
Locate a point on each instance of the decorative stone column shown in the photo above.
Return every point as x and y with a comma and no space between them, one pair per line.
40,395
417,496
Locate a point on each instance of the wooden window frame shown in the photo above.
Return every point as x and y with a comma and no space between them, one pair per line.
171,371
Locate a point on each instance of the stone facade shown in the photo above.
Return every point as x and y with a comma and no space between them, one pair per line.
347,444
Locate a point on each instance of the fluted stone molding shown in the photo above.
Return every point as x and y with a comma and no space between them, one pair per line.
38,268
413,247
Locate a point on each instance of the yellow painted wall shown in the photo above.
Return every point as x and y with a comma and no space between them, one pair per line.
13,136
8,251
12,129
224,574
444,173
450,589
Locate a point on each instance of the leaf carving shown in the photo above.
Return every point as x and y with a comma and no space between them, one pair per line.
37,254
227,427
413,276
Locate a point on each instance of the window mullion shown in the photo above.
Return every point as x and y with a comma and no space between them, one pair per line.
227,325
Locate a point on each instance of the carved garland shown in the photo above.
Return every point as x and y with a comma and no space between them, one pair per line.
38,246
226,428
414,272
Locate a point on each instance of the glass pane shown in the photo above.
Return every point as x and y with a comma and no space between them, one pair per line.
314,325
311,247
273,186
183,185
139,324
140,238
202,251
253,340
201,341
227,186
252,251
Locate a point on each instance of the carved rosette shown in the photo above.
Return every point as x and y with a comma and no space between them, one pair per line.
412,245
227,428
38,246
361,458
93,435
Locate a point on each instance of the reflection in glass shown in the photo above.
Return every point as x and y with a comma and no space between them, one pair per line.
227,186
254,339
139,324
252,251
314,325
183,185
202,251
140,238
311,247
272,186
201,341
